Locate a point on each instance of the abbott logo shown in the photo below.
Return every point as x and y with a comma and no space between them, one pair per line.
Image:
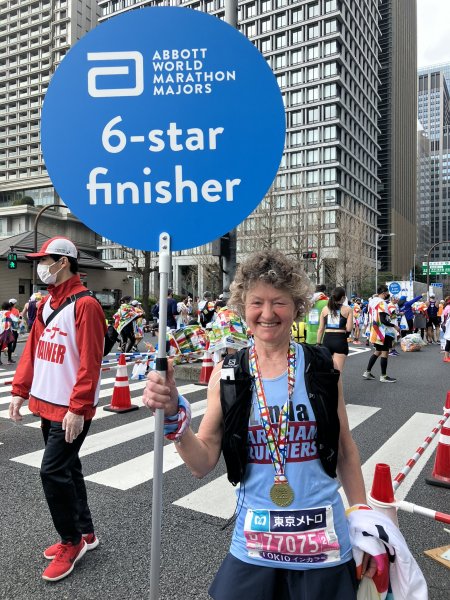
97,72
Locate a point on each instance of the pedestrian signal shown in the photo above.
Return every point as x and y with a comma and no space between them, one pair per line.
310,254
12,260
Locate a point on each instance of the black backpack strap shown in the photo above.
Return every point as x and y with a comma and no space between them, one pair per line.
68,301
321,380
235,400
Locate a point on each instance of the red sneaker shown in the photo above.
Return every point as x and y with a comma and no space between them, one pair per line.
64,561
91,542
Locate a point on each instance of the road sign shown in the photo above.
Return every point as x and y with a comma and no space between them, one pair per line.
394,288
436,268
12,260
163,119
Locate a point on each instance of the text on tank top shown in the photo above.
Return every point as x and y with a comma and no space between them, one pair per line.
57,358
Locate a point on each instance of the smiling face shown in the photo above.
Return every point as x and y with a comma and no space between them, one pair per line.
269,312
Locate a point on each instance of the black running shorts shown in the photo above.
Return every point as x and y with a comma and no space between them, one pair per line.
336,342
388,343
237,579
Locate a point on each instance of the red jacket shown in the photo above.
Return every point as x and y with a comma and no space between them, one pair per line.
90,326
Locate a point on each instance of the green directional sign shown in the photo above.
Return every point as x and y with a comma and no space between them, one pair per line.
12,260
436,268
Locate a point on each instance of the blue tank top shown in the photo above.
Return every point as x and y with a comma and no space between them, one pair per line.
310,533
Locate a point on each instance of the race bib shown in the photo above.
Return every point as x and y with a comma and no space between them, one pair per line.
304,536
333,321
313,317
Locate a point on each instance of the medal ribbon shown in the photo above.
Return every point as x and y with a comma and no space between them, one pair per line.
277,444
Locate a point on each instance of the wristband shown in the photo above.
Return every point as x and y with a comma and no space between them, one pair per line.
357,507
177,425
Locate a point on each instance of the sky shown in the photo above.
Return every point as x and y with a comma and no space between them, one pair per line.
433,32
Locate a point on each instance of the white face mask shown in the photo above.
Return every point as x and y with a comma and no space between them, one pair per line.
44,274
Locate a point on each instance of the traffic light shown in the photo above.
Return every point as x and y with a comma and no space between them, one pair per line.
310,254
12,260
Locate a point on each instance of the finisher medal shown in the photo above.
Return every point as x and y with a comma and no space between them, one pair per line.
282,494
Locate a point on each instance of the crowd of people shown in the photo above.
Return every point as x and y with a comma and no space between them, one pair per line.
382,321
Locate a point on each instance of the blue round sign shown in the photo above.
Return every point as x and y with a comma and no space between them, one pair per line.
163,119
395,288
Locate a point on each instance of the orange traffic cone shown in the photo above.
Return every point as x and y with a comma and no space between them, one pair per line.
121,399
382,494
441,470
207,368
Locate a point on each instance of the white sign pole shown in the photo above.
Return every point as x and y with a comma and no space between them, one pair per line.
161,367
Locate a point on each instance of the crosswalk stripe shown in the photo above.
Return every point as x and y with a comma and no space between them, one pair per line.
353,351
400,447
101,414
358,413
218,497
109,438
136,471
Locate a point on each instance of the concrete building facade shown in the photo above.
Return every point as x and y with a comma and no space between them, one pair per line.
324,55
34,37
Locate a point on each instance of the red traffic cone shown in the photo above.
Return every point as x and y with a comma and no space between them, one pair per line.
207,368
441,470
382,494
121,399
382,489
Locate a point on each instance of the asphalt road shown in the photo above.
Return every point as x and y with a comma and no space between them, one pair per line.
389,422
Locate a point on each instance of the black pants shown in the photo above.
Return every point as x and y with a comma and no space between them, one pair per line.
9,346
128,338
63,482
410,329
14,344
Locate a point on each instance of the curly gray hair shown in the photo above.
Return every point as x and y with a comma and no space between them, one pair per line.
274,268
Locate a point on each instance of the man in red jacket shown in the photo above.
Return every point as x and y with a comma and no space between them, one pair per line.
59,373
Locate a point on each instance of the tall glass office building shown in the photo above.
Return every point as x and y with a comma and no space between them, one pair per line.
398,136
434,116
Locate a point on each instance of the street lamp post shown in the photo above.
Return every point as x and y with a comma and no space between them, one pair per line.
377,239
38,216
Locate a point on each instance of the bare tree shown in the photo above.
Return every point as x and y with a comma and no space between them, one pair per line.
307,228
353,248
264,232
141,265
211,267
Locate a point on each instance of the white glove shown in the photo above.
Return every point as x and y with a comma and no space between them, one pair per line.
14,408
73,425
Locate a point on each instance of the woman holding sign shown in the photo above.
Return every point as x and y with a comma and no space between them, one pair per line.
277,413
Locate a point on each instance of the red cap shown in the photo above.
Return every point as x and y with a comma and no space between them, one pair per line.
56,245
